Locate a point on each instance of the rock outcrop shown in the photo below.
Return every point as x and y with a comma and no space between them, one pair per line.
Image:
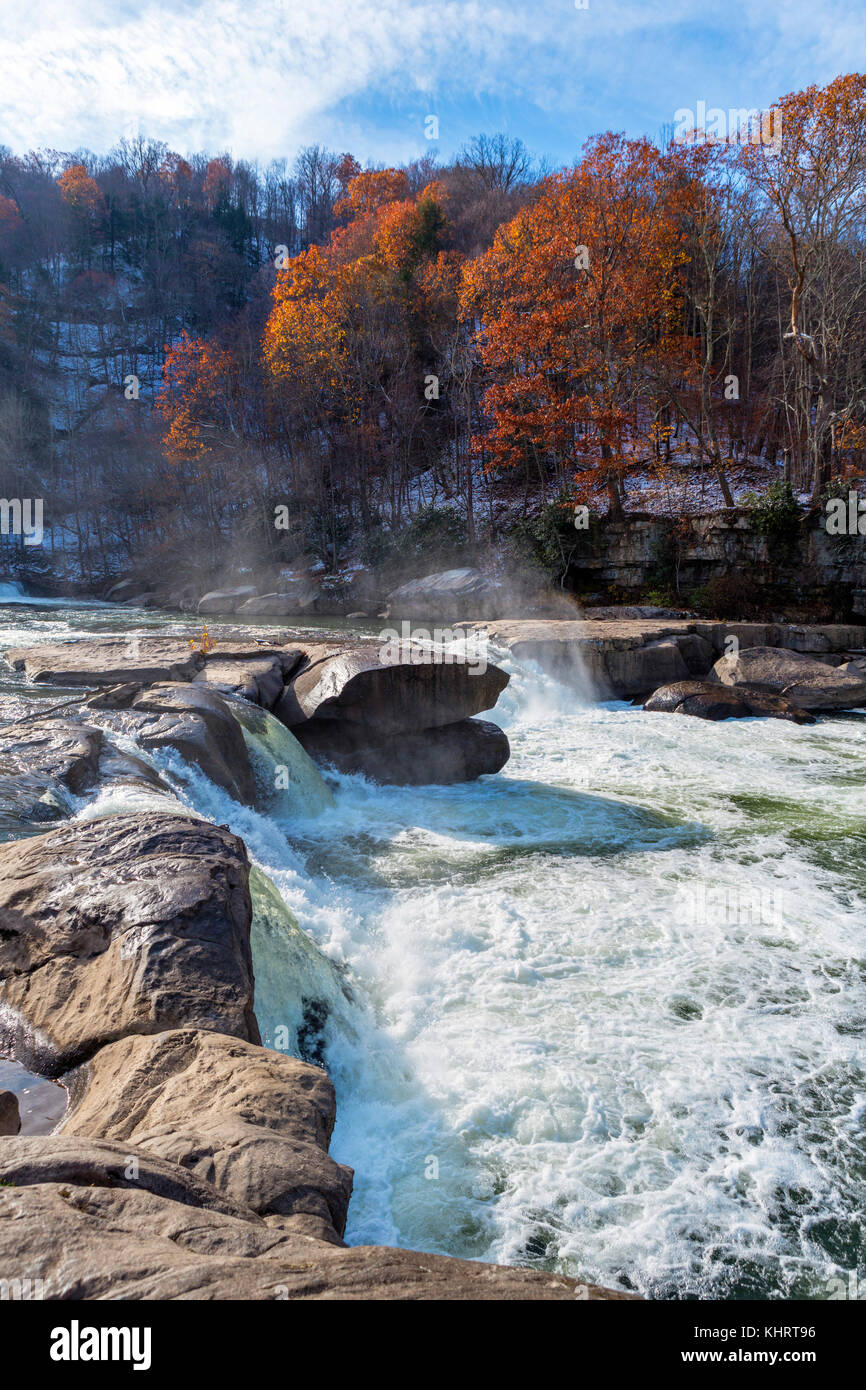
226,600
447,596
403,721
88,1240
458,752
200,725
254,1123
108,661
47,761
352,696
192,1162
627,657
704,700
805,681
55,751
132,924
10,1114
296,596
361,684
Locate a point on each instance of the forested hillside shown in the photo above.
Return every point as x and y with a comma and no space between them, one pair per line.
205,364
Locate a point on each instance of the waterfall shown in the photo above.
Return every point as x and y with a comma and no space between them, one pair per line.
287,779
298,988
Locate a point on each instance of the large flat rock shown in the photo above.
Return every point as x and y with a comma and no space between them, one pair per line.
108,661
131,924
84,1240
633,656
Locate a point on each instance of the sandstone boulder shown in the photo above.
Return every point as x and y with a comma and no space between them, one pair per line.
254,1123
448,595
226,600
10,1114
260,679
199,724
458,752
634,669
131,924
803,680
54,750
296,596
88,1241
363,684
87,1162
705,700
108,661
697,653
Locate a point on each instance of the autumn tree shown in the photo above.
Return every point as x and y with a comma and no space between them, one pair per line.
571,302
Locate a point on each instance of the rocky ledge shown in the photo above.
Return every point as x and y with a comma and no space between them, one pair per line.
396,714
616,658
192,1162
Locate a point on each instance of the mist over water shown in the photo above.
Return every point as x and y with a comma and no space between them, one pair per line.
602,1013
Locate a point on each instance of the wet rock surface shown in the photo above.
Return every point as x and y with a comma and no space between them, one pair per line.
196,721
458,752
132,924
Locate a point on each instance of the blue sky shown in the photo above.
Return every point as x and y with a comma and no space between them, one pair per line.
261,78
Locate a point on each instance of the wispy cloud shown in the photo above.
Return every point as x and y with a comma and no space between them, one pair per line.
263,78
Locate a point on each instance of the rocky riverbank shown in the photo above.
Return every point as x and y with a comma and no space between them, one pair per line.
624,657
192,1161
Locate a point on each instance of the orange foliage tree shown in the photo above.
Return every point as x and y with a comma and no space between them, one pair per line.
571,305
343,342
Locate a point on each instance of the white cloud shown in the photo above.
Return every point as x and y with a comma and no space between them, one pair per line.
263,78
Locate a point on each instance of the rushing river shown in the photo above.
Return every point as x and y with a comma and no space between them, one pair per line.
602,1013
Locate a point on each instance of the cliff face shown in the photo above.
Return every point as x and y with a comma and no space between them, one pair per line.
632,554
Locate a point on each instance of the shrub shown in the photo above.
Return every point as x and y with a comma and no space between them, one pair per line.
437,534
729,596
776,513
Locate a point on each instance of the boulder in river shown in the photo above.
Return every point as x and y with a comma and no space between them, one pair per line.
298,595
363,684
199,724
803,680
129,924
449,595
108,661
458,752
10,1114
53,750
226,600
705,700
